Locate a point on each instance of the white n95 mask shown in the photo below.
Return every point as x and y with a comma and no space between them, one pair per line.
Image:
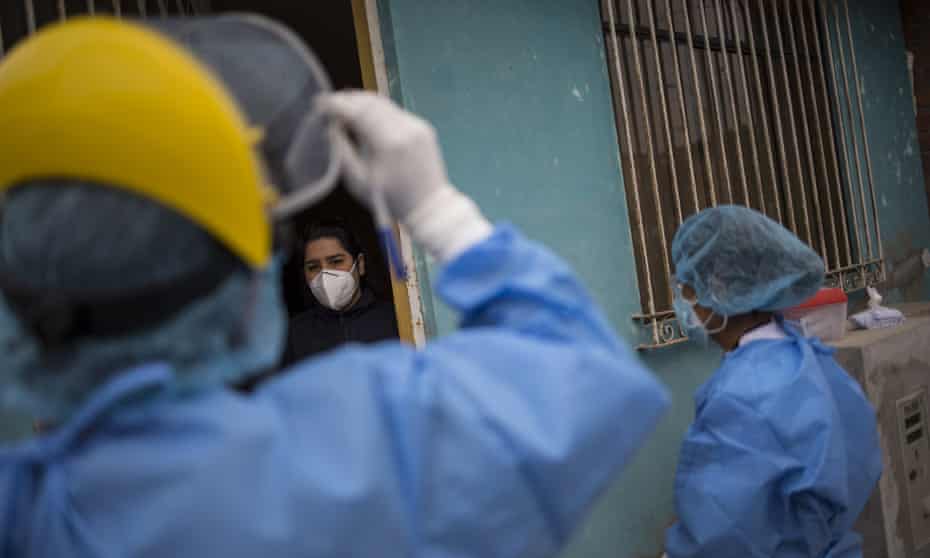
333,288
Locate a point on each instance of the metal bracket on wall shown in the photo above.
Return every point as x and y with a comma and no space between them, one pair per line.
663,330
857,277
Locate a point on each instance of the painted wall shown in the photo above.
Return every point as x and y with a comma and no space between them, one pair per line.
892,131
915,17
519,92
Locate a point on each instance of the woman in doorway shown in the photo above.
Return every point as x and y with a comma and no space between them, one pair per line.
344,308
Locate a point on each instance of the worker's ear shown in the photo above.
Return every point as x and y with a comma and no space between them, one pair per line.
360,262
688,292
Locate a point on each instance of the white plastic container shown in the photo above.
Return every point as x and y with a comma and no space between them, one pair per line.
823,316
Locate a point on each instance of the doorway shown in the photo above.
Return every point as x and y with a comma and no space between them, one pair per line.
330,30
337,32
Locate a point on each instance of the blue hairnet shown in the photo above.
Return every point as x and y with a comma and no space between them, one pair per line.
738,260
212,342
100,240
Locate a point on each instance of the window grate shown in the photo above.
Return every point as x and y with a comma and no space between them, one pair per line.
749,102
30,16
22,18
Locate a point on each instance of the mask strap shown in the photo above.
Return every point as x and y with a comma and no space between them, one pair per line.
726,318
311,192
710,317
716,330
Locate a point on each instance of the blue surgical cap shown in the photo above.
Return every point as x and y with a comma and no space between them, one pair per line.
738,261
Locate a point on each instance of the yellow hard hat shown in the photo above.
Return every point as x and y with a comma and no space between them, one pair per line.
120,105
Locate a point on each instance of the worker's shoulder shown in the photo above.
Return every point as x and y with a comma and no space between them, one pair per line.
763,371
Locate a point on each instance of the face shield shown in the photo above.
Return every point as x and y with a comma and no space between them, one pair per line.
123,83
165,131
275,80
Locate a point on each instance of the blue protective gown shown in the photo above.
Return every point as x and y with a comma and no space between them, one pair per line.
781,458
490,442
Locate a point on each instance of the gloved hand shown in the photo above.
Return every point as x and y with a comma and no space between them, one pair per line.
397,152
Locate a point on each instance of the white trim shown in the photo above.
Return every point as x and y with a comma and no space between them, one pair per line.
770,331
377,46
30,16
417,323
414,292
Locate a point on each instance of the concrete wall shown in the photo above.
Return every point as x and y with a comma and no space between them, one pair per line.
891,365
519,92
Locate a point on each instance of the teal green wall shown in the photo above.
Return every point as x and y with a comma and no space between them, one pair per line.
892,132
520,95
522,105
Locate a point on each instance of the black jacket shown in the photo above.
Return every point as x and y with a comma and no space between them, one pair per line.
321,329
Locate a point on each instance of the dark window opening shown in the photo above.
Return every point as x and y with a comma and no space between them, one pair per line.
327,27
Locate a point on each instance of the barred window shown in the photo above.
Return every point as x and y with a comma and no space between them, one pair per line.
749,102
19,18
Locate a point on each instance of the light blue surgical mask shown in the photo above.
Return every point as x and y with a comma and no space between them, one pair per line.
694,328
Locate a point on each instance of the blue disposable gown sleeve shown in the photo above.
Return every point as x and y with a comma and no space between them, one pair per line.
740,494
491,441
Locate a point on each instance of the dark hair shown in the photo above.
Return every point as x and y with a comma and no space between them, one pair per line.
332,229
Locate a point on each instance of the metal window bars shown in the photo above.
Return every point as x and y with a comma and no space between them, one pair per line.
116,7
30,17
750,102
60,7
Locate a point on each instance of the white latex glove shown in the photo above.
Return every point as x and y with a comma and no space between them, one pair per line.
398,153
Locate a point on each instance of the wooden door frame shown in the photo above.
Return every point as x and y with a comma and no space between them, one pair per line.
407,304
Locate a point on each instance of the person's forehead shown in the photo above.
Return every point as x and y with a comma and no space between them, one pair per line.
324,247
